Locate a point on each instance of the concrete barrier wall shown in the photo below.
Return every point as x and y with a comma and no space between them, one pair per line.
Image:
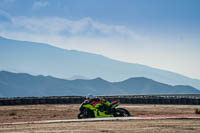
131,99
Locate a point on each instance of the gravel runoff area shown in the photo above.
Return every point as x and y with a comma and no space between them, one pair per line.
70,111
130,126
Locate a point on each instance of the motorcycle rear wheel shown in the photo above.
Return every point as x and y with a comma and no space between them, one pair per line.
80,116
121,112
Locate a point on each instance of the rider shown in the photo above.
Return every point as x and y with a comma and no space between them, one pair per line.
97,104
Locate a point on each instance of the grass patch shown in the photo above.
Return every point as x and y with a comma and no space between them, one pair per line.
197,111
12,114
54,115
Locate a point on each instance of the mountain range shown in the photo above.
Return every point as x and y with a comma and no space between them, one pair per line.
38,58
26,85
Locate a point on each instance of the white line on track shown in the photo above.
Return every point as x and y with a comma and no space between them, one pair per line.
96,119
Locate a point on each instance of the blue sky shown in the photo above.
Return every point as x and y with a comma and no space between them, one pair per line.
163,34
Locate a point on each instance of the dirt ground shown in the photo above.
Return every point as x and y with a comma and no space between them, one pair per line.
70,111
131,126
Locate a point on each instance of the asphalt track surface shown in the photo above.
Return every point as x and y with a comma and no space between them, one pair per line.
141,117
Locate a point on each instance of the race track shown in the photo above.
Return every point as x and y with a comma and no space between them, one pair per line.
141,117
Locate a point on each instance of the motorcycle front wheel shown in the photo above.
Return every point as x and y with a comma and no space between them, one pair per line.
87,113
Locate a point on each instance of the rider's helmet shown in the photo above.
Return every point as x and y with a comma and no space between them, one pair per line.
90,96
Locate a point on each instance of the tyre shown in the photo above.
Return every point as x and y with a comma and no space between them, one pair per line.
120,112
80,116
86,113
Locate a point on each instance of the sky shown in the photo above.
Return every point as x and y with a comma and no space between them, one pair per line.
163,34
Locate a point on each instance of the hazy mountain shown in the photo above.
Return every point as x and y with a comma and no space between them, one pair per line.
38,58
77,77
143,85
21,85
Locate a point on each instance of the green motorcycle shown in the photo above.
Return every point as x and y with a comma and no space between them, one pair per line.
111,111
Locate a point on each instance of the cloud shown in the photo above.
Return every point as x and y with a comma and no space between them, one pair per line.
115,41
86,27
40,4
83,34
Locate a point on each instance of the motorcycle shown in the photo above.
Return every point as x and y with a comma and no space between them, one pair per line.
112,110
